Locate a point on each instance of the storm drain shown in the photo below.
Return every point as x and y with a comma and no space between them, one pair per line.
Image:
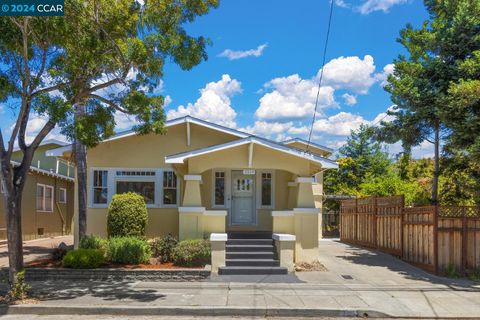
347,277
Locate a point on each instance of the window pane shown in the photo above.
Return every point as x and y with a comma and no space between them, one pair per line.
143,188
100,195
219,188
40,197
48,198
169,196
62,196
266,190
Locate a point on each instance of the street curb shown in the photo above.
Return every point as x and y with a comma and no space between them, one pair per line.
187,311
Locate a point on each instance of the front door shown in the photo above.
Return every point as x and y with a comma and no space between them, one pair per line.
243,191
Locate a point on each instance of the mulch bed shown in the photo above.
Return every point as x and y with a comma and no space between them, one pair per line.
50,263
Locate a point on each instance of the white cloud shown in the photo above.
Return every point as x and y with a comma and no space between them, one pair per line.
34,125
214,104
340,124
293,98
382,76
349,99
378,5
369,6
234,55
350,73
270,130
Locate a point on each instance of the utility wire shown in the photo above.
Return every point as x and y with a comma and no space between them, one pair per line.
321,73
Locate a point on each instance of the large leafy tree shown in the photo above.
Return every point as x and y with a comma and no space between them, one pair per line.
428,82
360,158
114,58
29,47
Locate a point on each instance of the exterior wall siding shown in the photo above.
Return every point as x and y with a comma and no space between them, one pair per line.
32,220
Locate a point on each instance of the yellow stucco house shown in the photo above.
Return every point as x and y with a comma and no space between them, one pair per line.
203,180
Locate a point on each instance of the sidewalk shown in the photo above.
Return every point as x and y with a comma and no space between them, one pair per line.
359,283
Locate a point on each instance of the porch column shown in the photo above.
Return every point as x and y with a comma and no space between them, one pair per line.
191,212
306,218
292,195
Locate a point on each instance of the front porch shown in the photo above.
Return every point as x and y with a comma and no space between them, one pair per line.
252,185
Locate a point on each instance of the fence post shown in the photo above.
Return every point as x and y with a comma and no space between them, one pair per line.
402,206
375,210
464,240
435,239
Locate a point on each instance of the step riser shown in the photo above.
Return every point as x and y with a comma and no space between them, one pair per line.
250,242
266,271
249,255
252,263
249,249
253,235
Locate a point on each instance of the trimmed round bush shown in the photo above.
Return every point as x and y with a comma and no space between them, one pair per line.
128,250
127,215
163,247
192,253
93,242
83,259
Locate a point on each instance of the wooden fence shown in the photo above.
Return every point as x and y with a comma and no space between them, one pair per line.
430,237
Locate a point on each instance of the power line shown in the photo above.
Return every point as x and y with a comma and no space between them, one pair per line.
321,73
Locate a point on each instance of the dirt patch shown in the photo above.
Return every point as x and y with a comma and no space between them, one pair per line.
5,301
313,266
50,263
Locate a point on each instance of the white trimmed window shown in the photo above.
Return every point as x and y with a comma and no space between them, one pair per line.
169,188
266,189
62,195
219,198
144,188
100,187
44,198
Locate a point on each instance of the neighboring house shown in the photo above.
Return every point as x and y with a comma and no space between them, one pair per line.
48,196
201,178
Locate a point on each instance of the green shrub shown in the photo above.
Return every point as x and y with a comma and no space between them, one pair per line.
127,215
475,275
128,250
83,259
94,242
192,253
163,247
19,289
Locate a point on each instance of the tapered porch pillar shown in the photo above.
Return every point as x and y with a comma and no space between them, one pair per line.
191,212
306,218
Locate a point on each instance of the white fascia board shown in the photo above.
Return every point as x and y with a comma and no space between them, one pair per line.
313,144
306,210
282,213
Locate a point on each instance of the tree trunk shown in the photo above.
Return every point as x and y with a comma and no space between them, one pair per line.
13,219
81,175
436,170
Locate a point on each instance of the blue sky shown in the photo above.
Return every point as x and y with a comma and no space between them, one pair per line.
261,75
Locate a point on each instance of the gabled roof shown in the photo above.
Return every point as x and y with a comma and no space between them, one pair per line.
169,123
305,142
46,142
190,119
181,157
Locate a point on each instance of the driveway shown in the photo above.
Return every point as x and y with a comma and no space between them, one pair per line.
35,249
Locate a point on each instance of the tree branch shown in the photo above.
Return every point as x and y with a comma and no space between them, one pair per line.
109,102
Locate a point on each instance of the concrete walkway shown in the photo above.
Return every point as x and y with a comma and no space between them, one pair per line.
35,249
358,282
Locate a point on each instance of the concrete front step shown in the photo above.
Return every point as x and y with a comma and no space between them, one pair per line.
249,248
250,235
252,263
249,241
249,255
251,270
